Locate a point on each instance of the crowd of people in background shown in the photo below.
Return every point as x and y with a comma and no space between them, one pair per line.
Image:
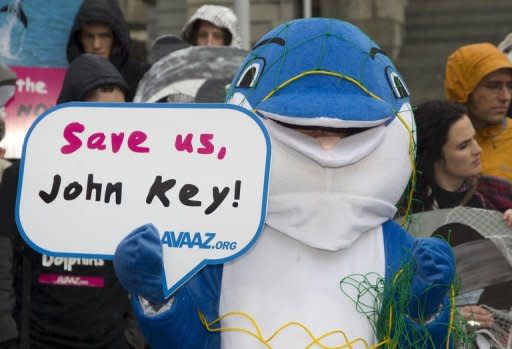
101,311
36,311
464,158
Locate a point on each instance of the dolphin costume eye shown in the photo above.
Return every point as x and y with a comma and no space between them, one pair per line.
250,75
397,84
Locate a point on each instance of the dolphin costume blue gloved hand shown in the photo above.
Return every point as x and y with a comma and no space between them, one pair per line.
435,271
138,264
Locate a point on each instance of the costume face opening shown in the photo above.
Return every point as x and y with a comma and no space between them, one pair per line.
324,77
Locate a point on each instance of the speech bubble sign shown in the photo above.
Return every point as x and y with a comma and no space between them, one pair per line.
92,173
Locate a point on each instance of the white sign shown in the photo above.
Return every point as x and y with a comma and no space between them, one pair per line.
92,173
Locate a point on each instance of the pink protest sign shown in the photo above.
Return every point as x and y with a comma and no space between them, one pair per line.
37,90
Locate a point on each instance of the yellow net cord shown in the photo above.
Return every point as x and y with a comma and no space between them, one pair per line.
256,331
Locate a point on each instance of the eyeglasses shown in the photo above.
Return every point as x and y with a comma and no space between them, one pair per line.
497,86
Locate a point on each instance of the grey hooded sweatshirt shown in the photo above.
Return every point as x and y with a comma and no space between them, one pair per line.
220,16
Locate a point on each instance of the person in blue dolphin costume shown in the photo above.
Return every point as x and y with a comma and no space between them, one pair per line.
342,134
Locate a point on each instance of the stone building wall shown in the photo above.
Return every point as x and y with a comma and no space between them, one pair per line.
382,20
166,17
169,16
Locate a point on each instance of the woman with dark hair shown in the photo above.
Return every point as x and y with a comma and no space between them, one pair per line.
448,163
448,169
447,158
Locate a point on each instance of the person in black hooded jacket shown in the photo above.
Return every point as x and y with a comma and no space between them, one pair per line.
64,302
100,28
88,75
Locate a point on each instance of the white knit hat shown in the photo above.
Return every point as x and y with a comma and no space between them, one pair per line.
220,16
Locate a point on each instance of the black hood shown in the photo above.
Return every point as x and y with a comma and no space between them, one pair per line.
106,12
86,73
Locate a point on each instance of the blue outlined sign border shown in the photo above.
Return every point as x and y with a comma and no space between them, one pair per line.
167,290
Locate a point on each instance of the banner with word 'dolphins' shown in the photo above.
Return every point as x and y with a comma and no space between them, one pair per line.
92,173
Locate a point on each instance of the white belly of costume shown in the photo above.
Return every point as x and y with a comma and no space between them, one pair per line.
281,280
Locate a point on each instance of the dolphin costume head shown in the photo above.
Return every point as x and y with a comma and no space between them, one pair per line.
321,72
326,73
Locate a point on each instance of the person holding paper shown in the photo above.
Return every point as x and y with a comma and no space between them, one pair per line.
330,269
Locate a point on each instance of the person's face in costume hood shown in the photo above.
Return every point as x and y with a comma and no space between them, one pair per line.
330,98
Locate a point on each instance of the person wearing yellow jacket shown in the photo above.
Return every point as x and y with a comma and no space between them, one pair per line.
480,77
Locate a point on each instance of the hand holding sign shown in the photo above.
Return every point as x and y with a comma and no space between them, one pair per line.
97,171
138,264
